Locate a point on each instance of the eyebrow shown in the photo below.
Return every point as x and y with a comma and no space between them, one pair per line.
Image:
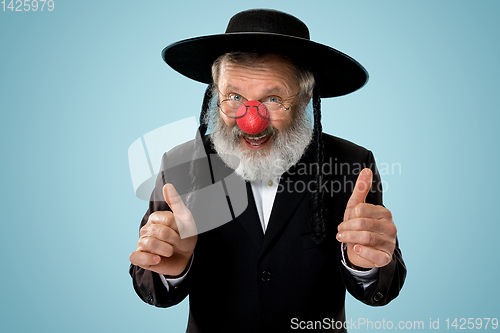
273,90
268,91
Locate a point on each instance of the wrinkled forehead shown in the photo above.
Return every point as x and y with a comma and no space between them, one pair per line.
270,70
253,60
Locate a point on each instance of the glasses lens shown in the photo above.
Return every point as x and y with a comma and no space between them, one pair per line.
230,107
276,110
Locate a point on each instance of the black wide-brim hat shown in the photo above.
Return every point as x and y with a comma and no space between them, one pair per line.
268,31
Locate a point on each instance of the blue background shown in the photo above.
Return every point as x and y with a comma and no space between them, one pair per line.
79,84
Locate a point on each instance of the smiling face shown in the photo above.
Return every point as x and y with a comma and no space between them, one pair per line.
267,79
280,143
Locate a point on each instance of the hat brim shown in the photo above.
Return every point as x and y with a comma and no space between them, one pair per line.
336,73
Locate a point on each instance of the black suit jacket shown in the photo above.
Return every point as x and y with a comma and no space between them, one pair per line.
243,280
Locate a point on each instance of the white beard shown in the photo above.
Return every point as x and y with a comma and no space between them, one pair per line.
283,149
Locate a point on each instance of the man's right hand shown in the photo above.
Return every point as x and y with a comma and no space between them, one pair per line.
160,248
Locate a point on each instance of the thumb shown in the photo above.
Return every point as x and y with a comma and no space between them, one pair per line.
173,199
361,189
183,216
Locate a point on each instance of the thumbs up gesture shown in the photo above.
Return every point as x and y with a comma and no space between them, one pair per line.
160,247
368,230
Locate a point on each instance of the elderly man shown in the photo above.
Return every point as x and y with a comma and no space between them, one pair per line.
287,260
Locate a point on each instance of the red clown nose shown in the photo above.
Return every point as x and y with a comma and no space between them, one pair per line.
250,120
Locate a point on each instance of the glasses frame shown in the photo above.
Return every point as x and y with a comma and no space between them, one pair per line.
219,105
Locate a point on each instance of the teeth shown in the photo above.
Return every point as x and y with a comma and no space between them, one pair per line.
256,137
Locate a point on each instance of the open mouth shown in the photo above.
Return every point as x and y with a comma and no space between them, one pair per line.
256,141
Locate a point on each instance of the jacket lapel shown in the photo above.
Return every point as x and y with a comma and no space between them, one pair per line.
291,192
250,220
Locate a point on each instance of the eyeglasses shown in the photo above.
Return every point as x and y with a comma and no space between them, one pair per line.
276,109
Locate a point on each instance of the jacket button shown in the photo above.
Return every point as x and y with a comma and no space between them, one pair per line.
265,276
378,296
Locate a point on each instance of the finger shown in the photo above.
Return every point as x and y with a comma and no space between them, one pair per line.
174,200
371,211
183,217
367,224
155,246
364,238
162,217
379,258
361,189
144,259
161,232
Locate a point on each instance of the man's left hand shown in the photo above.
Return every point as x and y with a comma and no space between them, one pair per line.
368,230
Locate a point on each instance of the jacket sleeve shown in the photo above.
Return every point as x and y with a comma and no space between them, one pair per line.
147,284
391,277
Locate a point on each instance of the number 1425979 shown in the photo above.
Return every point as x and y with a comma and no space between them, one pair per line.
27,5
